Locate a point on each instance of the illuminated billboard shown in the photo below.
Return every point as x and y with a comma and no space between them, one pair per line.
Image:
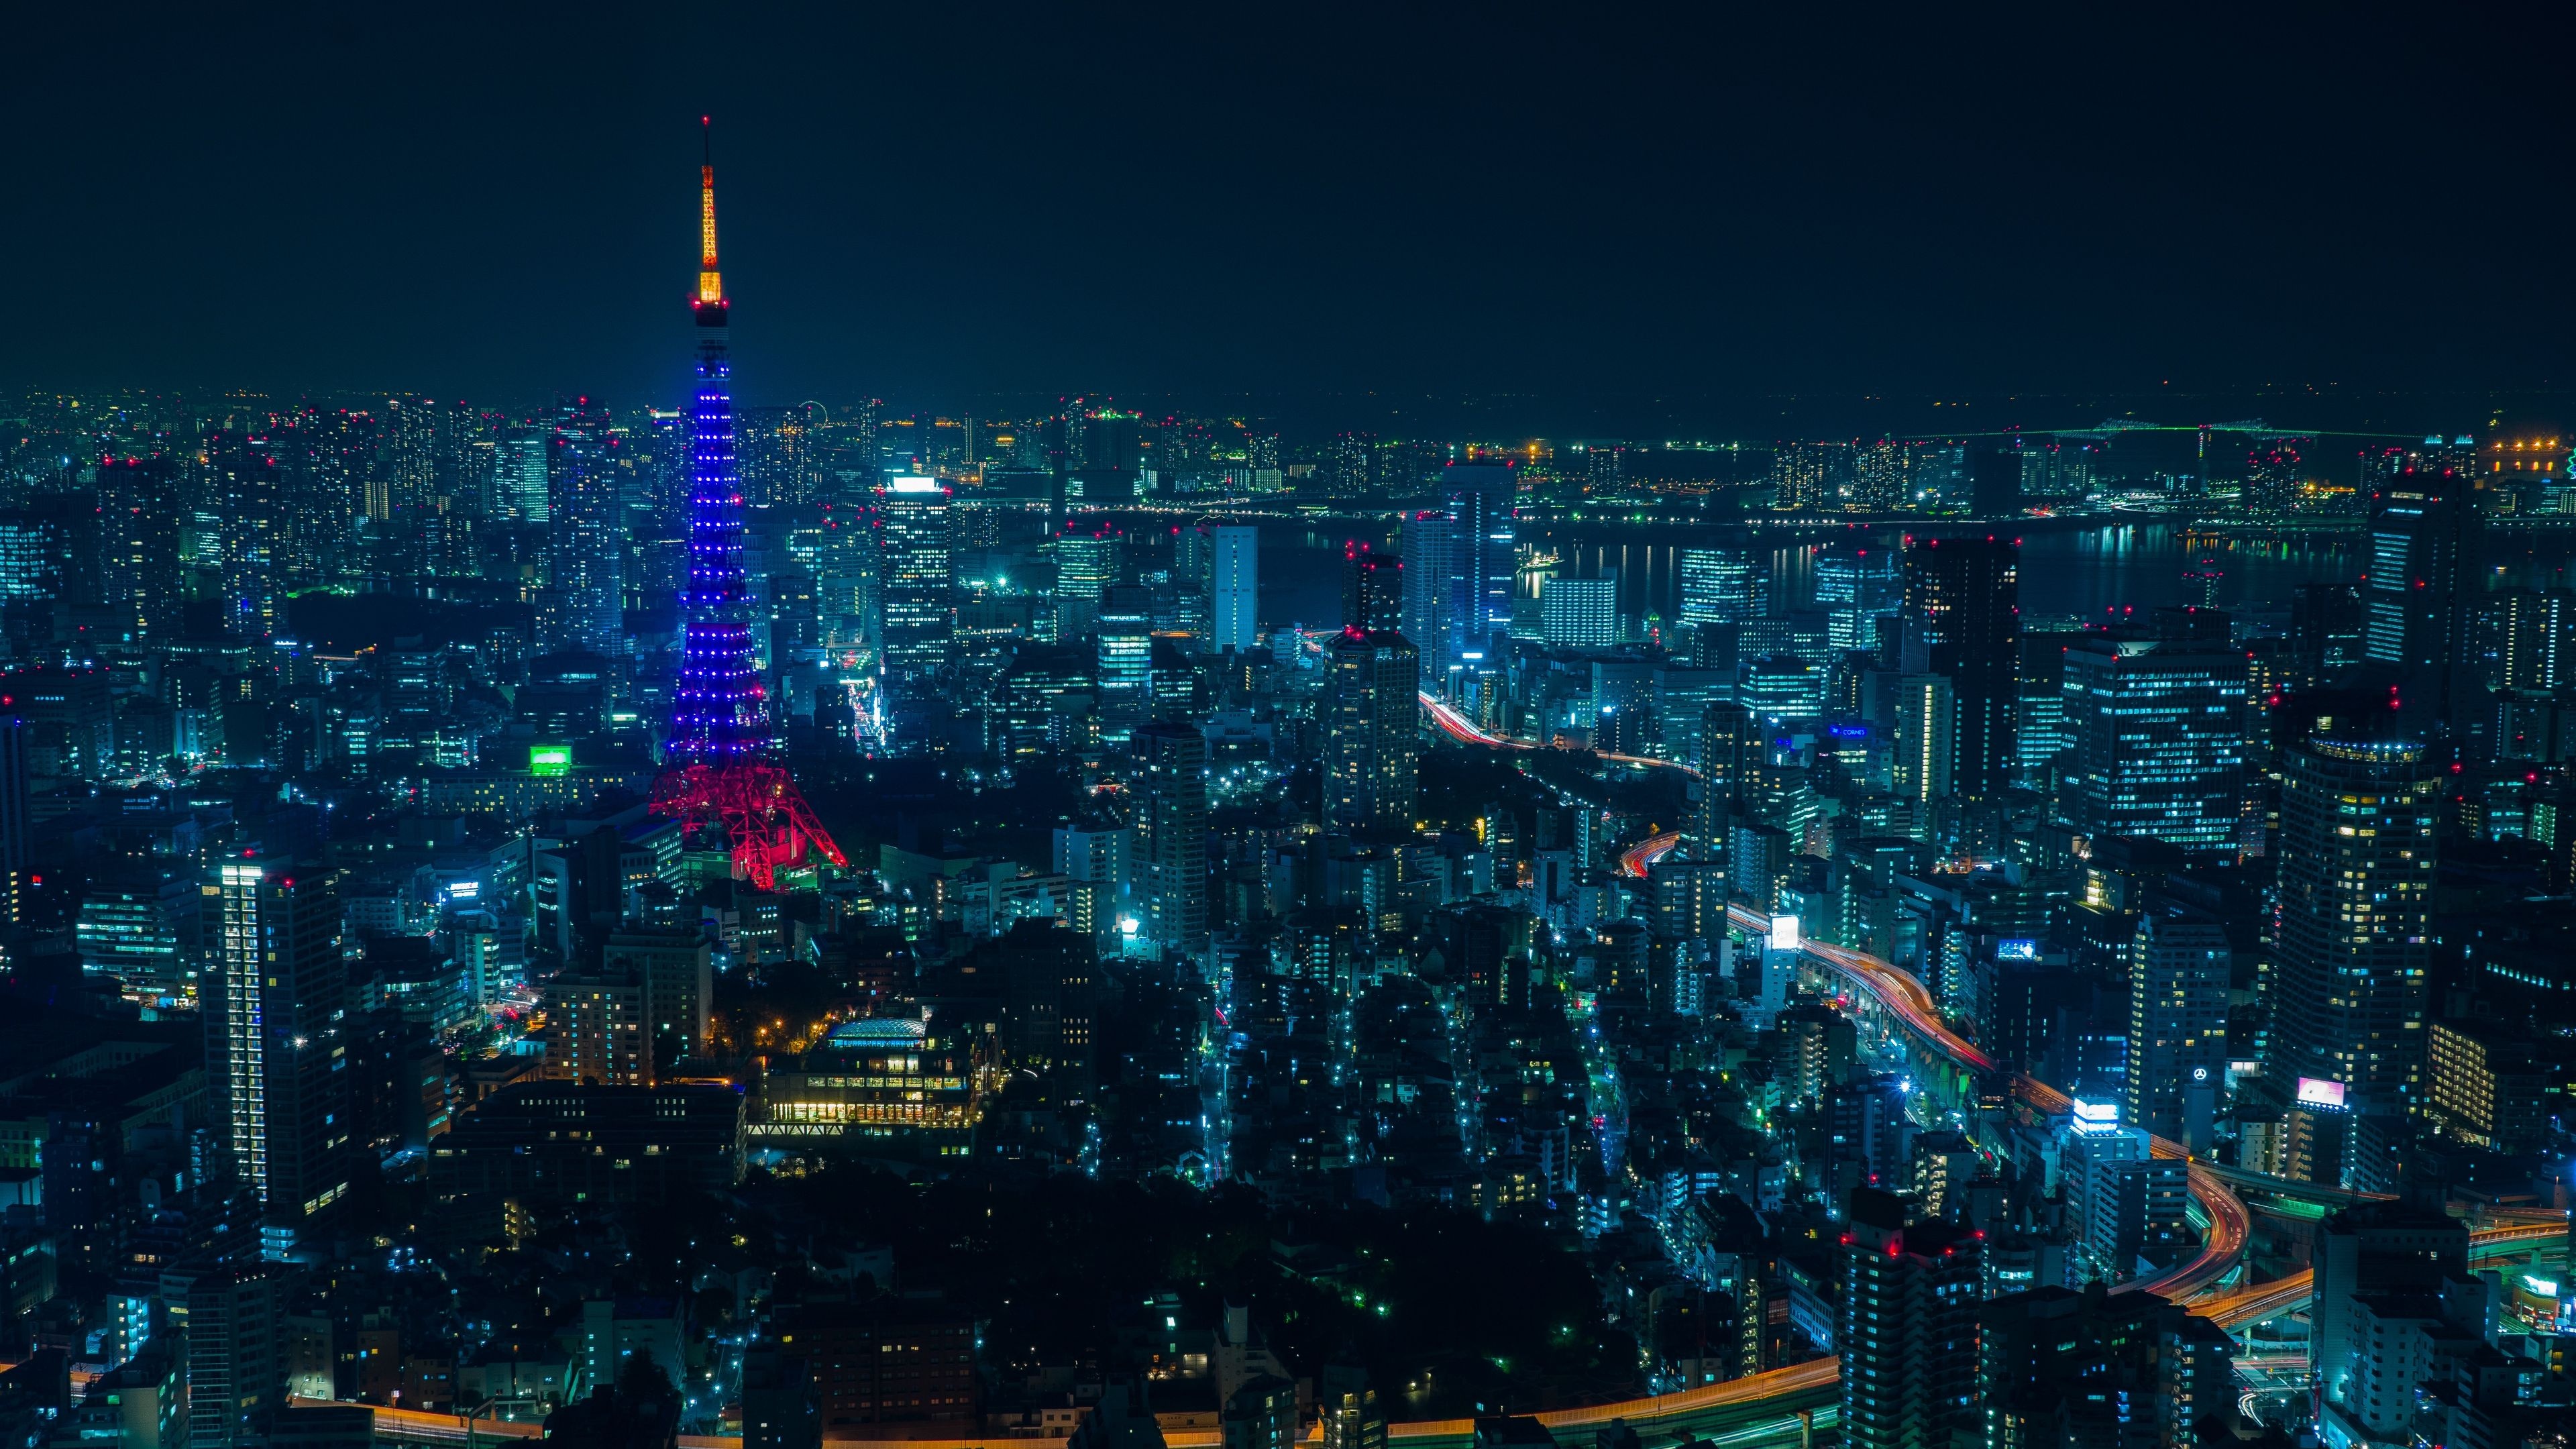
2096,1116
549,760
2016,950
2315,1092
1784,933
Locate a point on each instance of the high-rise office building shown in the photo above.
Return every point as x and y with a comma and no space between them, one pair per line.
1126,660
1580,613
246,485
2178,980
1908,1331
1089,557
1720,586
1171,834
1480,498
520,486
1856,587
1234,586
1920,750
1370,730
2159,738
914,568
274,1022
1730,743
2352,917
586,580
139,502
2422,584
1429,543
16,800
2531,628
1372,588
1964,595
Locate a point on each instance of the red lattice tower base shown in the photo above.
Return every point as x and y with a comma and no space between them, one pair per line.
763,815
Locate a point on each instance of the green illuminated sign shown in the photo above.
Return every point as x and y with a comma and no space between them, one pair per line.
549,759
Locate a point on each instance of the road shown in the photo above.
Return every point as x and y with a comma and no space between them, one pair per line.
2245,1306
1640,857
1896,990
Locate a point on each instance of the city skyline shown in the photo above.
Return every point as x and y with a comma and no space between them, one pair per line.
626,919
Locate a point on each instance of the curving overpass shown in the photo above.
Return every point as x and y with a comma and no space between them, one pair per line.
2226,1223
2247,1306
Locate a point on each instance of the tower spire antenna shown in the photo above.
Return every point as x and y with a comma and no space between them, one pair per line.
711,297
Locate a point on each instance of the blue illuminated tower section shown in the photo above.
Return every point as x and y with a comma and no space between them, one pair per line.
717,716
718,771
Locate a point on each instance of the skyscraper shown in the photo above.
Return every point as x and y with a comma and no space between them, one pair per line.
586,582
1088,559
520,487
247,488
1580,613
1720,586
1921,752
1964,595
1856,587
2422,586
1370,743
718,770
2352,913
1234,586
1372,588
1430,547
913,568
2159,736
2178,978
1171,834
2531,638
275,1025
16,802
140,527
1475,590
1126,655
1908,1335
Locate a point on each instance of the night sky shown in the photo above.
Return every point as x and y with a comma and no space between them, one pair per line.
1604,222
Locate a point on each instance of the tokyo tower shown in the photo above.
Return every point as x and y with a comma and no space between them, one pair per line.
719,765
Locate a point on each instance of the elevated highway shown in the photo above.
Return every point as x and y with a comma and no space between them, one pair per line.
2282,1296
2225,1223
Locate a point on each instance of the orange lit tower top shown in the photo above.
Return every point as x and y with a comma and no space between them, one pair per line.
711,306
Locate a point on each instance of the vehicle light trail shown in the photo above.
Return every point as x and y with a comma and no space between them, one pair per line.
1637,859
